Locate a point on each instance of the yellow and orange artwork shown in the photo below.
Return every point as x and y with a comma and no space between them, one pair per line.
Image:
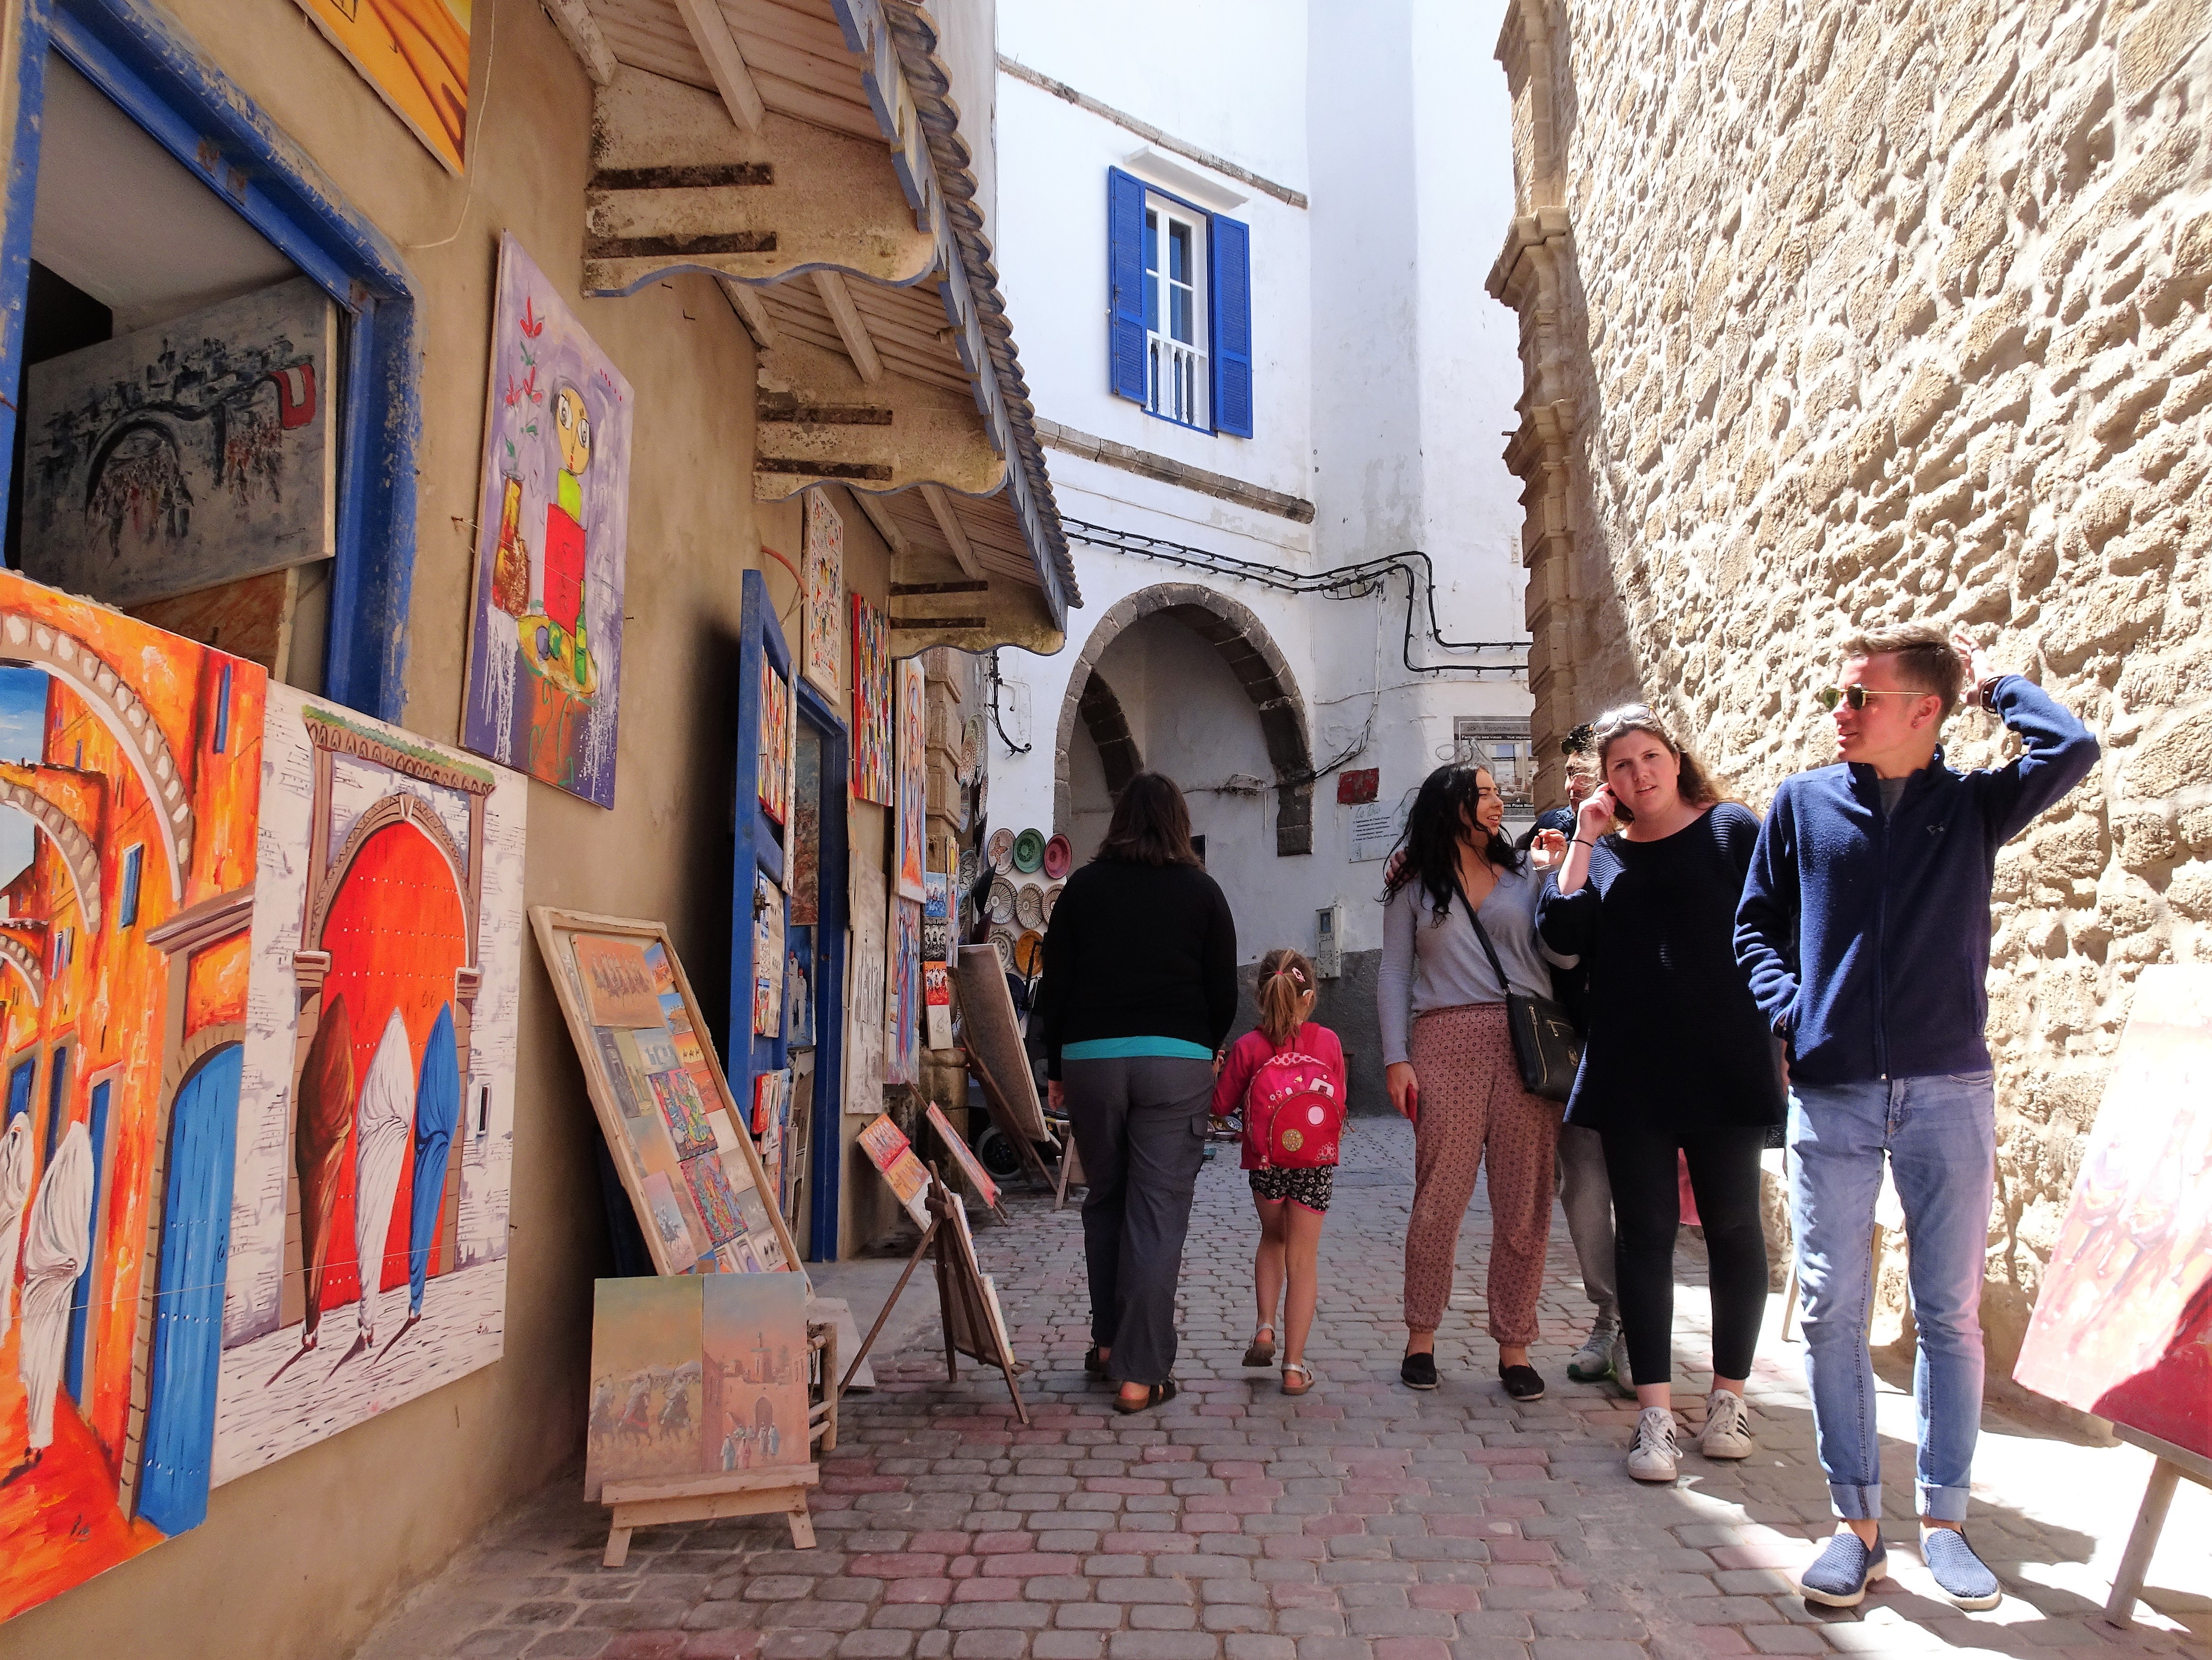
415,54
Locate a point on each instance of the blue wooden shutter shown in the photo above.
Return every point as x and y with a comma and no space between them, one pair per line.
1229,266
1125,283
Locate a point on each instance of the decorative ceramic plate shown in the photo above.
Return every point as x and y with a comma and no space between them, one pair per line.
1029,953
1001,848
1002,901
1058,856
1005,940
1028,905
1028,851
970,867
1052,898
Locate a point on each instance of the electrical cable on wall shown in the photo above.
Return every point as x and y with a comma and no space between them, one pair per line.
1359,580
1012,748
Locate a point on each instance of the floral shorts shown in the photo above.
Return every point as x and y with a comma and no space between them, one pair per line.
1310,1188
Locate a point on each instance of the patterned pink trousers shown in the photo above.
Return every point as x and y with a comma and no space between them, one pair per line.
1474,1112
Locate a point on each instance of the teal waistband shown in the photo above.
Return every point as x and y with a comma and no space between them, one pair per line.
1122,1049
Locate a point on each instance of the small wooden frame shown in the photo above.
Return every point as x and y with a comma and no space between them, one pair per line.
555,929
1070,1172
2174,1464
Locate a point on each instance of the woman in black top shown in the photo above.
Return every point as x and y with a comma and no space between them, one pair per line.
1678,1056
1140,990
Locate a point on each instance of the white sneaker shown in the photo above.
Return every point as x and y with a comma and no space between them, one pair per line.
1652,1458
1727,1433
1623,1381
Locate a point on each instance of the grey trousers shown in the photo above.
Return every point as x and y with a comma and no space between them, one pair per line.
1139,1124
1587,1193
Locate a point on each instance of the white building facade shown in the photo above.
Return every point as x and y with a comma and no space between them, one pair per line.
1260,351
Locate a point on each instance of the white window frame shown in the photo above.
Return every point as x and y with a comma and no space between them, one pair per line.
1178,373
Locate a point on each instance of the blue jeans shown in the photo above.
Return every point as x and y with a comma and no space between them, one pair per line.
1939,1135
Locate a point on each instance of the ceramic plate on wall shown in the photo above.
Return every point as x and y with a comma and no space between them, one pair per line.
1029,953
970,867
1002,901
1058,856
1004,940
1052,898
1028,905
1001,848
1028,851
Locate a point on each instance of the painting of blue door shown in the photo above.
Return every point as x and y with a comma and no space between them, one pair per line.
173,1492
80,1299
21,1083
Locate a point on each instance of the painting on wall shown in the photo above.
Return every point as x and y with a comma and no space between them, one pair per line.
903,1059
768,965
872,776
679,1142
195,452
867,1010
415,54
694,1376
545,625
129,779
913,777
2123,1327
823,562
368,1236
803,846
774,768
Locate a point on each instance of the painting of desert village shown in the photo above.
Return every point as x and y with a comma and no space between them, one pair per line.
258,964
697,1373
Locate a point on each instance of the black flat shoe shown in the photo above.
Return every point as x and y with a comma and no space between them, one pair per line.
1160,1393
1522,1382
1419,1371
1093,1362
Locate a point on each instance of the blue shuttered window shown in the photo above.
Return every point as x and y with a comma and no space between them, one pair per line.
1125,283
1230,264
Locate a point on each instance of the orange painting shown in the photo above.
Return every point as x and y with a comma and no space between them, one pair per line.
415,54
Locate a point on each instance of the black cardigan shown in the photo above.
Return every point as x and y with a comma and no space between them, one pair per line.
1675,1042
1138,950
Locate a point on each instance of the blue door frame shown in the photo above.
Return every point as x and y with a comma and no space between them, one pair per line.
136,54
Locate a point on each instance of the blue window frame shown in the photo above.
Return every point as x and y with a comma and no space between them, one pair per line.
126,898
1179,281
136,54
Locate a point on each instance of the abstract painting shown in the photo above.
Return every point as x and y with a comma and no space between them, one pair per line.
545,624
867,1010
415,54
696,1375
131,768
913,775
191,454
368,1232
872,779
2122,1327
902,1014
823,562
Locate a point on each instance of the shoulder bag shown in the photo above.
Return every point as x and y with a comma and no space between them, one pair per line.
1545,1046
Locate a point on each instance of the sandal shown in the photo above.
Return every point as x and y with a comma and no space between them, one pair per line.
1260,1353
1160,1393
1303,1371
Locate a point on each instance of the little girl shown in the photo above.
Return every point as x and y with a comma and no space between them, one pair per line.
1287,1077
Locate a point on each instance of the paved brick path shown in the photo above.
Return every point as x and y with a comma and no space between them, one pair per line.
1361,1523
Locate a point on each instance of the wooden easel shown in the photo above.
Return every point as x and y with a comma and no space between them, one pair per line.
970,1325
2174,1464
780,1490
1003,1116
1071,1173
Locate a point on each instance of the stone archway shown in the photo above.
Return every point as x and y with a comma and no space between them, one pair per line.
1252,656
1101,713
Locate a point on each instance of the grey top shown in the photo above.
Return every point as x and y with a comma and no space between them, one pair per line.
1426,966
1892,792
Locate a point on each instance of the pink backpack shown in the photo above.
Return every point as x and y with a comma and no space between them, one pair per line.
1292,1113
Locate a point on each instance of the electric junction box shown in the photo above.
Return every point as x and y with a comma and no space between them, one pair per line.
1329,942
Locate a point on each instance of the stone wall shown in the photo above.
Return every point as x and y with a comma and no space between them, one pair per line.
1840,311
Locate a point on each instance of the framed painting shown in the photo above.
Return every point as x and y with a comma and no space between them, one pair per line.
2123,1327
891,1153
823,565
678,1141
903,1017
195,452
415,54
545,623
867,1010
775,734
872,775
964,1155
913,775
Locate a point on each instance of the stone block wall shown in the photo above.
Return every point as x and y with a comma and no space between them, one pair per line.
1841,311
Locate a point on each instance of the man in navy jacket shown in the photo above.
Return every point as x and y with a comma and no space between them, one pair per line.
1864,928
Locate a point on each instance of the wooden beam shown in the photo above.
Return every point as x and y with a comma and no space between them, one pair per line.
710,32
581,31
753,312
850,329
880,517
956,535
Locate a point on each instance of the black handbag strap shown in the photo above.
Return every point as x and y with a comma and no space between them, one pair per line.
1504,986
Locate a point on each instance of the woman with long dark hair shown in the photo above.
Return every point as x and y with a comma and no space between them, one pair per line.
1139,989
1448,1061
1678,1058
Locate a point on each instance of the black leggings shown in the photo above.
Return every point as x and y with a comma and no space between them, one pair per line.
1646,1212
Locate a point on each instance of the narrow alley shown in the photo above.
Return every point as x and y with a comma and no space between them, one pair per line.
1361,1523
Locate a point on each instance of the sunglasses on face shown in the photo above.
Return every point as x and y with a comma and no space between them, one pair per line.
1856,696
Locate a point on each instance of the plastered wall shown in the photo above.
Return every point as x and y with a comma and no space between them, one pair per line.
300,1559
1840,312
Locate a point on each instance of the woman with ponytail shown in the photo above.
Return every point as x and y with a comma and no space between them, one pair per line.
1286,1075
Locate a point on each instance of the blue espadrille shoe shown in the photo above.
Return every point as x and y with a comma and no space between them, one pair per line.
1840,1574
1965,1577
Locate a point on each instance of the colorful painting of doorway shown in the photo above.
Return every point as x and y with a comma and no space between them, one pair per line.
131,765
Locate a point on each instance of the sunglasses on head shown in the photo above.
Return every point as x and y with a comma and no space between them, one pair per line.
1856,696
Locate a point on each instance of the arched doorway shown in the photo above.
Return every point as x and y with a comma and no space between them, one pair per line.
172,1492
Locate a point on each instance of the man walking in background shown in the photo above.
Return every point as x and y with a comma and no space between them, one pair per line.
1865,931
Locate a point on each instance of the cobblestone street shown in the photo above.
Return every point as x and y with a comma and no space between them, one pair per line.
1364,1522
